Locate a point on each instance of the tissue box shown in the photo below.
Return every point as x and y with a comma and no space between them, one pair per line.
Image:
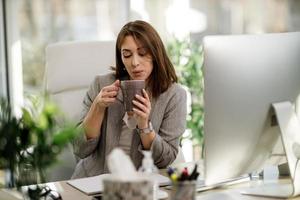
133,189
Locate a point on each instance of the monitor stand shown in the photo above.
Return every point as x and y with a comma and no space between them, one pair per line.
290,136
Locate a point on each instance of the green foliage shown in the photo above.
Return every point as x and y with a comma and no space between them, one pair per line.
34,139
13,138
187,58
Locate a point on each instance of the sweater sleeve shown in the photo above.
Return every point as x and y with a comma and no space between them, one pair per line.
165,144
81,146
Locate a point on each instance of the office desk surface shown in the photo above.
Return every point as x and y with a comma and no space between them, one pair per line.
66,191
231,192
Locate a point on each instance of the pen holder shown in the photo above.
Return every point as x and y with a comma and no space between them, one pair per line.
183,190
115,189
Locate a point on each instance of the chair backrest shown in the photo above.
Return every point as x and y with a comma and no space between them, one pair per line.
70,69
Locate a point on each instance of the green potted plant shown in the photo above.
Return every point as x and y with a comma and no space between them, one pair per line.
13,138
35,140
187,58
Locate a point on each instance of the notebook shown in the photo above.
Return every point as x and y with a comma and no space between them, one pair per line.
94,185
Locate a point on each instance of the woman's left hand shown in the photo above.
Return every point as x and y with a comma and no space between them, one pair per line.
142,109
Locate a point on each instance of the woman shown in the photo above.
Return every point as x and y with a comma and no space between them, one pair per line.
159,115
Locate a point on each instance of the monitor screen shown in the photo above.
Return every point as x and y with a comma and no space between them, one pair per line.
243,76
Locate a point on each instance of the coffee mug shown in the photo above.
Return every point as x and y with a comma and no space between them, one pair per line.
129,89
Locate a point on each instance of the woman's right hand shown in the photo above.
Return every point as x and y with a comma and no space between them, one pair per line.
93,120
107,95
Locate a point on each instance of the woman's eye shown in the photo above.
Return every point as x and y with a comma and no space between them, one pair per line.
126,54
143,52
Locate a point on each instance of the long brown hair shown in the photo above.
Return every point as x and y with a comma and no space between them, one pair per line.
163,73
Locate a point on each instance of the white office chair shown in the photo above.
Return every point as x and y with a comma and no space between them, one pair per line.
70,69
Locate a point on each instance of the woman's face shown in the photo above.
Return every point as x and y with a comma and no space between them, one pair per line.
136,58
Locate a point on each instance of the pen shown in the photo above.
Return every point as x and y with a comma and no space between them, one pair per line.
194,173
174,177
184,174
172,174
170,171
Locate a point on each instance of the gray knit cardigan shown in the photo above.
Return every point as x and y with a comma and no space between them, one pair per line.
168,117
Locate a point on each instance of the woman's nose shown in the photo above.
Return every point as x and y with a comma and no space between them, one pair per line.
135,60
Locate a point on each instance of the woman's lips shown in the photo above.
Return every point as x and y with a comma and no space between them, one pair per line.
137,73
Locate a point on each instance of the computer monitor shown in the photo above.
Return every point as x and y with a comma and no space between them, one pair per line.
243,76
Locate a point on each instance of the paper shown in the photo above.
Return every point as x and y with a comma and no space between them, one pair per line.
94,185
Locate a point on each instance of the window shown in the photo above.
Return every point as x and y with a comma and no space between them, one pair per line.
34,24
3,88
44,22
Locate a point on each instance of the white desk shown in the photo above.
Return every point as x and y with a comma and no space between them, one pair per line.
66,191
231,192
